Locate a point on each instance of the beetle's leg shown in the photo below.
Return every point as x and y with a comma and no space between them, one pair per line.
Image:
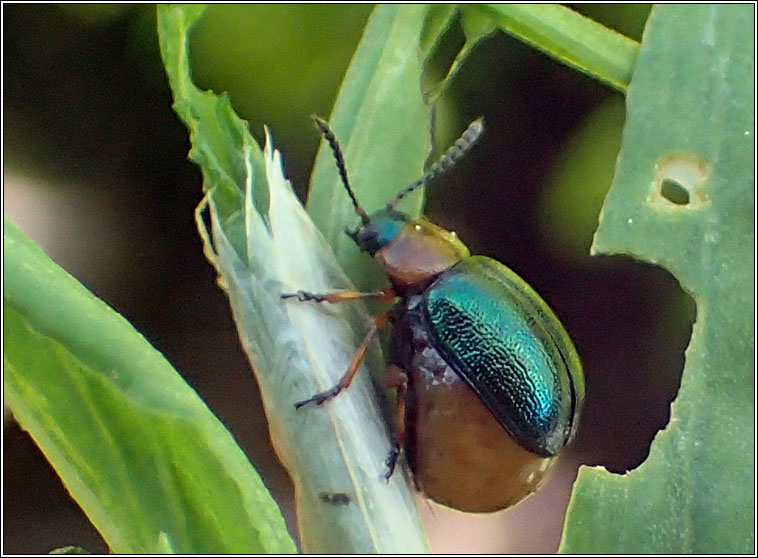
345,381
395,377
382,295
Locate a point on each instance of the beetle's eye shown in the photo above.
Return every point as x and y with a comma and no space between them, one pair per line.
369,240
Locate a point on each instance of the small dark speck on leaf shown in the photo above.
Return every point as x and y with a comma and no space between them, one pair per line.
335,498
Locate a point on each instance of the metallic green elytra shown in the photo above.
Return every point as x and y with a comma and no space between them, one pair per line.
507,344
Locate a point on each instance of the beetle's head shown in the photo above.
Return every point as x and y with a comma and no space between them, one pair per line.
378,229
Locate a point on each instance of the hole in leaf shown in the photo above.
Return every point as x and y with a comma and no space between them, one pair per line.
632,344
680,181
442,55
675,192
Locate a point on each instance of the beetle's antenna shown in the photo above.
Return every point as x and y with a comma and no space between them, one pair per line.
334,144
458,149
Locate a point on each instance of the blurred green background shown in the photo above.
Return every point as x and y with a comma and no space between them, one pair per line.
95,170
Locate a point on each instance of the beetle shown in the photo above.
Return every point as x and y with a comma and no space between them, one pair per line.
489,384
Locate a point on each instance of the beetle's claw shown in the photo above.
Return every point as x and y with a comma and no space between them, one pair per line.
391,461
304,296
302,403
320,398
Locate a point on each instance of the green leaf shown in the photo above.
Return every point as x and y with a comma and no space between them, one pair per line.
476,27
691,125
438,19
579,180
70,550
132,442
298,349
383,125
570,38
219,137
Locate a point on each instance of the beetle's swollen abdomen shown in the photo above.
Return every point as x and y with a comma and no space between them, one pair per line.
506,343
458,451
